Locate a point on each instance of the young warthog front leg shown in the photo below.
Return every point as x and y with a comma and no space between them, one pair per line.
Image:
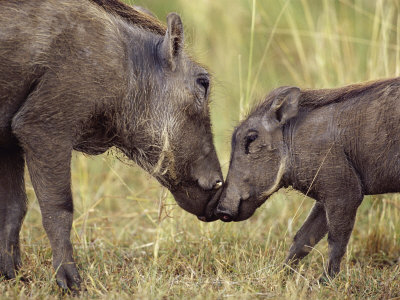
312,231
12,209
341,216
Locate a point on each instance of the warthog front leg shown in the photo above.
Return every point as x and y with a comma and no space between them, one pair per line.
50,175
312,231
12,209
341,216
48,157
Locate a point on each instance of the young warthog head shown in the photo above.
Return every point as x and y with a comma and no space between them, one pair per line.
172,137
259,156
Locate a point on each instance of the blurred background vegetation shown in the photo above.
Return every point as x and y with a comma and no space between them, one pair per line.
130,236
252,47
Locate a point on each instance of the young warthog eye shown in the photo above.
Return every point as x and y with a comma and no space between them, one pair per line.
204,83
249,139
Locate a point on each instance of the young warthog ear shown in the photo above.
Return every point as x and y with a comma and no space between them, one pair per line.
285,104
172,44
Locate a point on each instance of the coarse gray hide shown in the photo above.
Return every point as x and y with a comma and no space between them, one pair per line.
335,145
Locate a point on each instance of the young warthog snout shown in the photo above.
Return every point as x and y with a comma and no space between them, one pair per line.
334,145
88,75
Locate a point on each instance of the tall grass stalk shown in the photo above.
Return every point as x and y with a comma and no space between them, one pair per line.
250,63
241,94
268,45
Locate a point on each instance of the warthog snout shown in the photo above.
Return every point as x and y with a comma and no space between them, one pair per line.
210,211
210,184
227,209
224,214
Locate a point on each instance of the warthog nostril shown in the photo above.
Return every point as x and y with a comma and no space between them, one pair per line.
223,214
217,184
226,218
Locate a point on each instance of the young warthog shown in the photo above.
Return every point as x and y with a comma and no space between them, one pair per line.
89,75
335,145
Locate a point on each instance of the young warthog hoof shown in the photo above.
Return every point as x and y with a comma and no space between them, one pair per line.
68,278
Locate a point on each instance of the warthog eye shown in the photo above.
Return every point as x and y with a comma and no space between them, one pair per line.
204,83
249,139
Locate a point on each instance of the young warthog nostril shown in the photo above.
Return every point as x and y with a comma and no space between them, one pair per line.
224,214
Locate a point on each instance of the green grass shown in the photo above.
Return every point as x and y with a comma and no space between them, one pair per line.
130,237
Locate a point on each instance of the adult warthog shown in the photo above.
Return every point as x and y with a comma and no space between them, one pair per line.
86,76
335,145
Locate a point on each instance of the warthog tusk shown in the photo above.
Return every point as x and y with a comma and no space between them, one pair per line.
217,185
278,178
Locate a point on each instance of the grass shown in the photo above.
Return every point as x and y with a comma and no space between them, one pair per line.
130,237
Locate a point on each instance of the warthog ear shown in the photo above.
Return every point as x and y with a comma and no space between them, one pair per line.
172,44
285,104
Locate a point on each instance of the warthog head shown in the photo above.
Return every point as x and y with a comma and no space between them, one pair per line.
259,156
172,138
